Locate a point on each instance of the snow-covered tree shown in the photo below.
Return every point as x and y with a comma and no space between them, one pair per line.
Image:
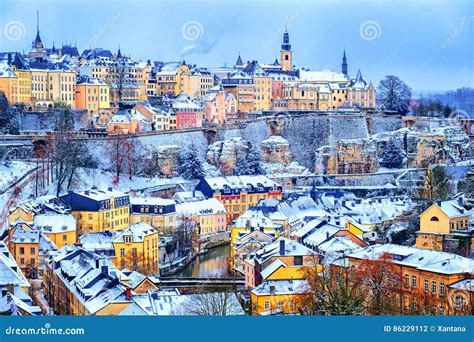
393,154
395,94
190,166
254,162
242,167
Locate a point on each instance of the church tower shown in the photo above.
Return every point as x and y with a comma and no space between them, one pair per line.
286,55
344,64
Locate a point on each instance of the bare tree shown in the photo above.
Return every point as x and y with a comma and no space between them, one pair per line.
380,279
66,155
210,301
332,291
116,151
135,261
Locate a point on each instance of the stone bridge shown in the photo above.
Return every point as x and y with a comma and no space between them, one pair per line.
190,283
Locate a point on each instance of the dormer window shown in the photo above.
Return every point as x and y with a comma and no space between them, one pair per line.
128,239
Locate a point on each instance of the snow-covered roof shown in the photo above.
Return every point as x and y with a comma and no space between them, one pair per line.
151,201
322,76
239,182
98,241
290,248
209,206
254,219
452,208
5,70
267,271
90,278
188,196
138,231
25,236
466,285
55,223
281,287
166,302
422,259
10,273
101,194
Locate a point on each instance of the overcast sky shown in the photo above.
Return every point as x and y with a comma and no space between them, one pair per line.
429,44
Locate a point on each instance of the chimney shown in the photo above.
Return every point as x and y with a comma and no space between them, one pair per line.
128,293
282,247
438,203
109,188
262,229
87,192
327,235
97,263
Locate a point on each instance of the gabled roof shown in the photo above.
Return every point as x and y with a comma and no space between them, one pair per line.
451,208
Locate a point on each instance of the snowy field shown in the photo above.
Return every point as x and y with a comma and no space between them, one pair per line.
13,172
87,178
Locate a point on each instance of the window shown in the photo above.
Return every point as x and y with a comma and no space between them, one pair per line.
22,250
413,281
122,252
407,280
280,305
32,262
441,310
459,302
298,260
435,219
441,289
267,305
64,237
427,285
433,287
32,250
22,261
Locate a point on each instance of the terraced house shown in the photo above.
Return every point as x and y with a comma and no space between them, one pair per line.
238,193
137,248
432,282
81,283
160,213
99,210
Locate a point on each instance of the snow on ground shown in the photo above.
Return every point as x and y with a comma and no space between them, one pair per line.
86,178
13,172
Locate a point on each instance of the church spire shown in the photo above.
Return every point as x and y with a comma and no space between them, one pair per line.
286,46
344,63
37,43
239,61
119,54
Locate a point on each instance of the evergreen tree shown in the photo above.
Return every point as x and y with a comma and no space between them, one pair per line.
242,167
393,155
190,167
13,114
254,162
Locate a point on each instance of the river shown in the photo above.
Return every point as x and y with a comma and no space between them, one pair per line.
213,264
